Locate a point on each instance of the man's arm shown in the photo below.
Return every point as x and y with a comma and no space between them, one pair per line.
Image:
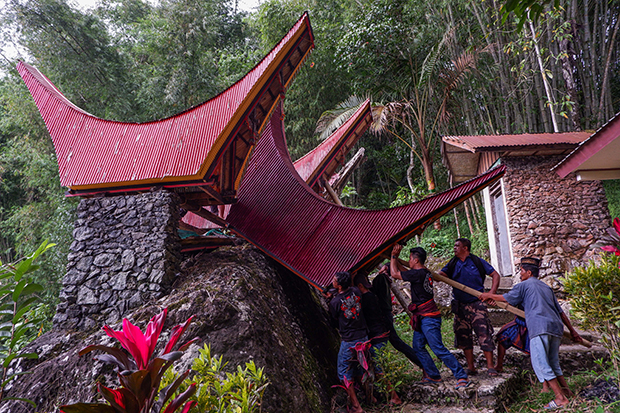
574,334
491,297
495,282
395,266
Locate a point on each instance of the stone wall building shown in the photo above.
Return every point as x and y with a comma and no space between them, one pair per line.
531,211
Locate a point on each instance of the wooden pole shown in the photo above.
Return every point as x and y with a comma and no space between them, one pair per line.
331,193
500,304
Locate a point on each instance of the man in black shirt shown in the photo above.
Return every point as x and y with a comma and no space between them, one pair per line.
381,288
346,312
426,320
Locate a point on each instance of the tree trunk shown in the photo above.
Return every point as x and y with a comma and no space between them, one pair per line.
568,68
456,221
605,82
550,98
471,228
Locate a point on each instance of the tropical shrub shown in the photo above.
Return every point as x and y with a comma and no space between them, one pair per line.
139,373
595,300
220,392
17,299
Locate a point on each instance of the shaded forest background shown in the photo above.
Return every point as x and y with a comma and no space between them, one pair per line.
432,67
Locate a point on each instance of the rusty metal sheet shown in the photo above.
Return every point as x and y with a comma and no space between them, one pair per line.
480,142
98,153
278,212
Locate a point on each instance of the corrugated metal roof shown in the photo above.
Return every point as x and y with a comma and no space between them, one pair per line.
492,142
98,153
280,214
329,154
325,158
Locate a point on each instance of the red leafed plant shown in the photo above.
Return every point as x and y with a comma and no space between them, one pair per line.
139,373
612,240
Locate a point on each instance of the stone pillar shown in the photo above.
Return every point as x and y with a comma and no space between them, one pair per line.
125,252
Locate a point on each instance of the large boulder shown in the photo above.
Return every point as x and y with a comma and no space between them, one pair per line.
245,305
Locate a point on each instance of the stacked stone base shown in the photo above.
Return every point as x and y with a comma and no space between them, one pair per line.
125,252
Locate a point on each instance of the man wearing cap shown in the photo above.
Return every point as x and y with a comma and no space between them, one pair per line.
544,318
469,312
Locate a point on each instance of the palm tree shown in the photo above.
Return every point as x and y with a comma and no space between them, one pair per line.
419,109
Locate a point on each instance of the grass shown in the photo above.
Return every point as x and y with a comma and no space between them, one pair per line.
533,400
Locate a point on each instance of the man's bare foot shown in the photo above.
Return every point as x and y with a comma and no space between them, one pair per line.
499,369
357,409
568,393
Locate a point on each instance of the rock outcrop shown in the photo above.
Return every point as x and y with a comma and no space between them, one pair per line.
245,306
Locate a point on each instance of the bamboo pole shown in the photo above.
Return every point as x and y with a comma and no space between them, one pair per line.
500,304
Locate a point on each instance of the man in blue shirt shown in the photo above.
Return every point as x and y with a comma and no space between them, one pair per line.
544,318
469,312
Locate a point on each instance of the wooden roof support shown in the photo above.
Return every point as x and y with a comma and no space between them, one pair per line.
201,212
331,192
212,192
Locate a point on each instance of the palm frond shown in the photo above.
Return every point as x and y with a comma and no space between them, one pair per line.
432,58
332,119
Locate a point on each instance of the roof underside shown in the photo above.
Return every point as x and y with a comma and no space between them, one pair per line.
278,212
209,143
597,157
468,156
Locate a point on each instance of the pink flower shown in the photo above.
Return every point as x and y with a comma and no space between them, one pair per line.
139,345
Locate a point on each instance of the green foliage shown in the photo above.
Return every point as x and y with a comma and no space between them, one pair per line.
393,370
404,195
17,301
223,392
612,192
595,299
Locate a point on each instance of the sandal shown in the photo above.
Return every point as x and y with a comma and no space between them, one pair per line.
427,380
492,372
471,372
552,405
462,383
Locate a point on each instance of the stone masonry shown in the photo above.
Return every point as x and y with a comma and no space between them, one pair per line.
125,251
554,219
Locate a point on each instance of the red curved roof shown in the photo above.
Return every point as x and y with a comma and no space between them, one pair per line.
98,153
323,160
278,212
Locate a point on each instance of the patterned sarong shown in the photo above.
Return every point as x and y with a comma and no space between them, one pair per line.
514,334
